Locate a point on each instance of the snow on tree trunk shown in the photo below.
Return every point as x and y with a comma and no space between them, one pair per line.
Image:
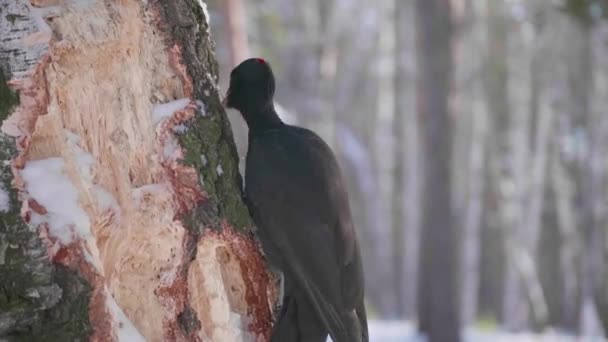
120,203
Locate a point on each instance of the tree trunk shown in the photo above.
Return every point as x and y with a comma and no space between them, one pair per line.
384,144
237,34
437,311
600,168
493,251
120,201
470,250
470,159
406,203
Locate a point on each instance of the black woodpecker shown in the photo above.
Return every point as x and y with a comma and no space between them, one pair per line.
296,196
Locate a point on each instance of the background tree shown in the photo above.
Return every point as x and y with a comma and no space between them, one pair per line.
437,295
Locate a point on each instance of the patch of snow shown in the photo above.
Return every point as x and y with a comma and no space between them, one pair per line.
165,110
590,322
203,6
393,331
206,92
204,160
47,183
476,335
170,148
5,204
219,170
105,200
180,129
95,261
123,327
201,107
403,331
212,79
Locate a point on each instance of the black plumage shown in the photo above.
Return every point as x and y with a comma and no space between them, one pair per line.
297,198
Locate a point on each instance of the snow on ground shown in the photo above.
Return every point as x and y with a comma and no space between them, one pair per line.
399,331
393,331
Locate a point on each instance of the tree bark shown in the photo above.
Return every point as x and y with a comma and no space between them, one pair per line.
384,155
470,156
471,238
437,310
124,218
406,203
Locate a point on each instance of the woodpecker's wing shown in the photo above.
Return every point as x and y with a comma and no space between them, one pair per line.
296,196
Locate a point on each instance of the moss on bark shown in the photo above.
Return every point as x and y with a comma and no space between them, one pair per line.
8,98
208,143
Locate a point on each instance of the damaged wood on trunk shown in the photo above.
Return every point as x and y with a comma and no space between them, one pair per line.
119,225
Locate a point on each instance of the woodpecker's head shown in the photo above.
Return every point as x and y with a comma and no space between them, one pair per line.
251,87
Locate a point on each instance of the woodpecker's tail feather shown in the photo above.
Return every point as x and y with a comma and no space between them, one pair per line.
362,316
355,323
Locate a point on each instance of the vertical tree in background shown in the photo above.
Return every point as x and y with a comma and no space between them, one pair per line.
234,14
406,196
587,170
496,92
469,148
437,312
384,145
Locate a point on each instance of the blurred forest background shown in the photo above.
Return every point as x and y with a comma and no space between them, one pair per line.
474,138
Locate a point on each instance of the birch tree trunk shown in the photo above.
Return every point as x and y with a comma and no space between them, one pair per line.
121,212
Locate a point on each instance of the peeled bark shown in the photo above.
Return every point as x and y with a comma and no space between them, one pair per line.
124,218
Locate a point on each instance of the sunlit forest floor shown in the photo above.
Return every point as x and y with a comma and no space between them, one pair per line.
400,331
